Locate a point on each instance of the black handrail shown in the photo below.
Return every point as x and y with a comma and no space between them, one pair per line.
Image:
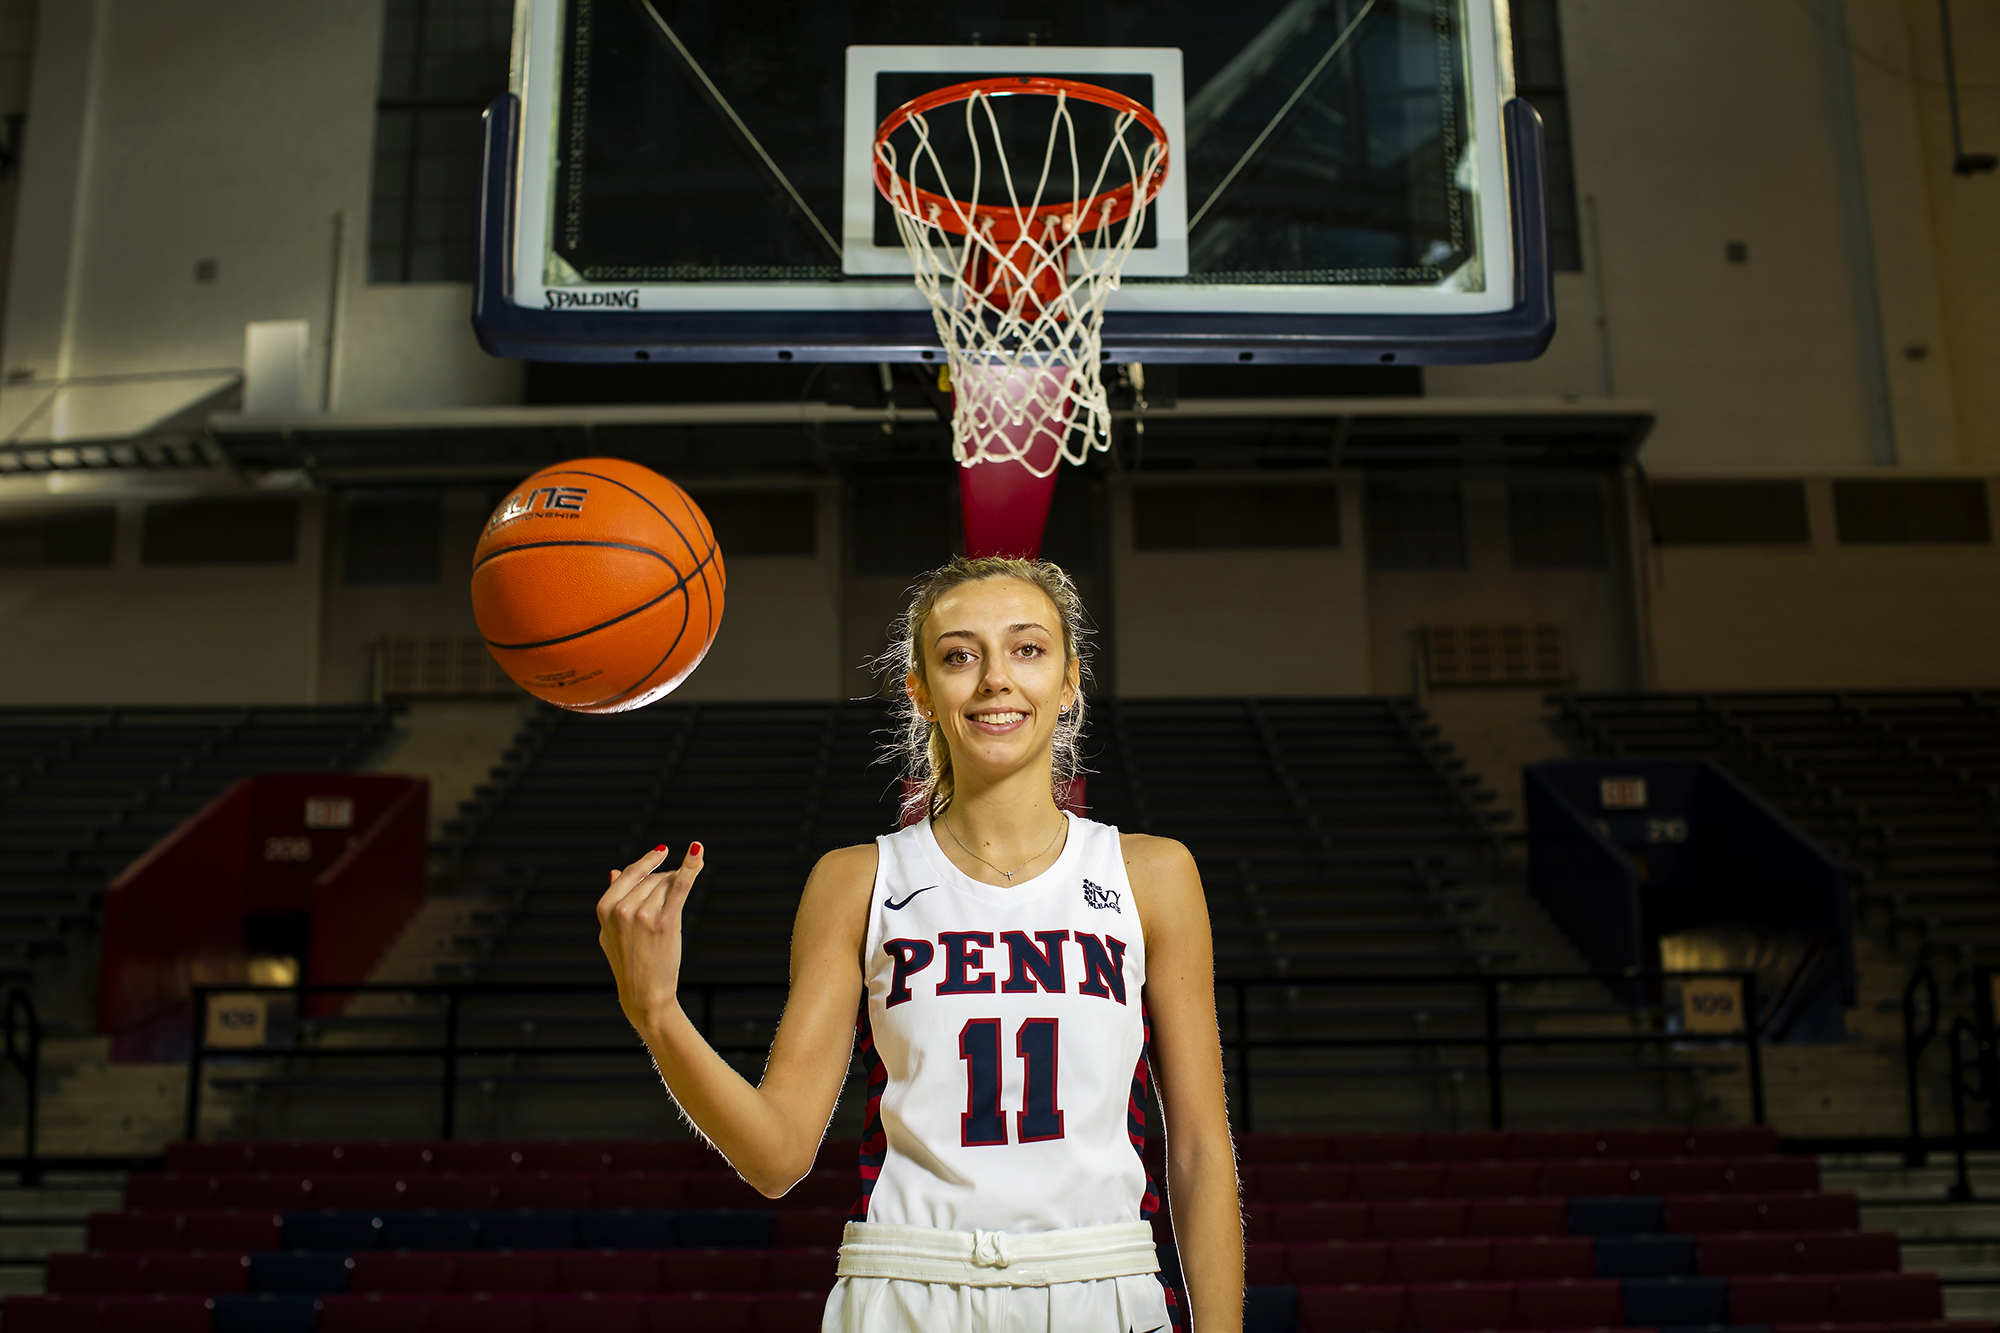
1922,981
24,1052
1980,1090
1491,1037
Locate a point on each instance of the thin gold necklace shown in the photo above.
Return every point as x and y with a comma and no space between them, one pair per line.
988,864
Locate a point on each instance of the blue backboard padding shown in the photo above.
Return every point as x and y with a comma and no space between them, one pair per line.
1518,334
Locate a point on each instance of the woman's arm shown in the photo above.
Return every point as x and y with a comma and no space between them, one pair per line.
770,1132
1187,1053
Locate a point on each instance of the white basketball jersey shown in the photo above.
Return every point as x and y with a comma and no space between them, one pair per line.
1004,1042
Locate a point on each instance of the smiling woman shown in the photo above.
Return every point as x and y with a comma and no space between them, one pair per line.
1002,1182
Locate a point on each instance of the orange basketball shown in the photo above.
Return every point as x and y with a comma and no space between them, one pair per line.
598,585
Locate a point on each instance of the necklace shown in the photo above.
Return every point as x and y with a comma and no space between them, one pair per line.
988,864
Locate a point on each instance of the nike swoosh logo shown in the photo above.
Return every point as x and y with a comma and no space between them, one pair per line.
895,906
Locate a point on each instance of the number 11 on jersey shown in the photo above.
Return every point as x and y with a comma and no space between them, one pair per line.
1039,1118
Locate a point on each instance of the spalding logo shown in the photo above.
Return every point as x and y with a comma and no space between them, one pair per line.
627,299
1099,897
542,502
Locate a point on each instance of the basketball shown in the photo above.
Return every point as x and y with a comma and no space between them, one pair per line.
597,585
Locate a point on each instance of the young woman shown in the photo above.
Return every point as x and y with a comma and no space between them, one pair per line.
1016,967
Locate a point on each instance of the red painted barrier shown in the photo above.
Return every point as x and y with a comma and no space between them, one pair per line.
346,849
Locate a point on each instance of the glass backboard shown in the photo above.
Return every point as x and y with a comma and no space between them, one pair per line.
1351,180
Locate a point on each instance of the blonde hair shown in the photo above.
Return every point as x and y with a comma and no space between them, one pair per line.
919,742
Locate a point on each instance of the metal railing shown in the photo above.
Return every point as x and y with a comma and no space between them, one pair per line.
1241,1046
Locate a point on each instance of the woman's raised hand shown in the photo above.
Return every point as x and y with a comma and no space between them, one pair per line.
639,929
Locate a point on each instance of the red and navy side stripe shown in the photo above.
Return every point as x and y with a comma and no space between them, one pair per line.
874,1141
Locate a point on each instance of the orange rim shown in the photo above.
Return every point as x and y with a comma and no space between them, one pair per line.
1001,223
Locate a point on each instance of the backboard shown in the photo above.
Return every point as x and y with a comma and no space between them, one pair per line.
1351,180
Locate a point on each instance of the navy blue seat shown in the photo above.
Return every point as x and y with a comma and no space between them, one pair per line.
265,1313
308,1272
1617,1215
629,1229
1271,1310
1645,1256
725,1228
332,1229
528,1229
430,1229
1657,1302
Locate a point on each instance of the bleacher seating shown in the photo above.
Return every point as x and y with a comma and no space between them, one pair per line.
85,791
1348,1233
1903,785
1338,839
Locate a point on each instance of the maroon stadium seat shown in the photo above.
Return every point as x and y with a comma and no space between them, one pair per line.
483,1314
1569,1303
1333,1262
197,1273
479,1158
232,1229
449,1189
1385,1146
1455,1260
824,1189
153,1314
732,1312
583,1156
1299,1182
52,1314
681,1155
262,1190
1702,1214
614,1312
150,1230
1467,1145
720,1189
1261,1149
1517,1217
715,1270
1589,1177
1810,1212
373,1312
1680,1175
641,1189
1544,1145
1542,1258
1448,1305
1417,1219
1782,1298
96,1273
608,1270
543,1189
399,1159
296,1159
1748,1254
1646,1143
1397,1180
1490,1179
790,1311
389,1272
1339,1220
1264,1265
1894,1297
1850,1252
517,1272
363,1189
1353,1308
795,1227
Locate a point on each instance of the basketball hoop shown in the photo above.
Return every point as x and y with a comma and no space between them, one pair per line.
1021,331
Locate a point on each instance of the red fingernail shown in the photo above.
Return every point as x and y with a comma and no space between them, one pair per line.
694,849
661,848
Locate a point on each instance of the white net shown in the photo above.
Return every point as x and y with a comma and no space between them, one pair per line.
1018,290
